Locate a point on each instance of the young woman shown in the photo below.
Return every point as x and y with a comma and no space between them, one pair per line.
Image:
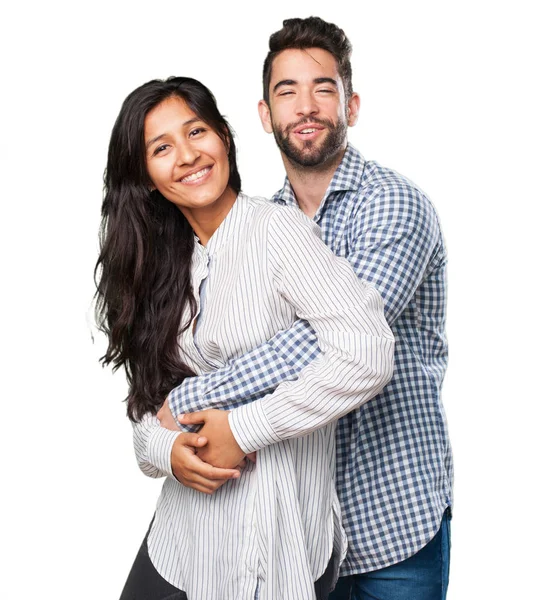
193,273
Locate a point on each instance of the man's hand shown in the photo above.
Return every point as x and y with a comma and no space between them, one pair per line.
222,449
166,418
191,471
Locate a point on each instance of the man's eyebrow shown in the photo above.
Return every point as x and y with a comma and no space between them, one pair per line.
162,135
325,80
284,82
317,80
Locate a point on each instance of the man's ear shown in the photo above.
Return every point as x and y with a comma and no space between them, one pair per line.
353,108
264,114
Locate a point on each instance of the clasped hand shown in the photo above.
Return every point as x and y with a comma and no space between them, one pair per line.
205,460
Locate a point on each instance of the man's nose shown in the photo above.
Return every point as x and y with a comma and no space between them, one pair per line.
306,104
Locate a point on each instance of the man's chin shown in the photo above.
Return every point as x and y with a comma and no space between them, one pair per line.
310,154
308,157
306,161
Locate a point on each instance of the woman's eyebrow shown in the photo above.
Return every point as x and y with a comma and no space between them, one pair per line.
161,135
153,140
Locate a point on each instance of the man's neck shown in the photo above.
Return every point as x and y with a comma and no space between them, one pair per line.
310,183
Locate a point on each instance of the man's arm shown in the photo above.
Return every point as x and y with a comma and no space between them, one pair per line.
392,239
347,315
395,240
250,376
161,452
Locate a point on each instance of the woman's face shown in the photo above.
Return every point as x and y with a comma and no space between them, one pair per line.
186,159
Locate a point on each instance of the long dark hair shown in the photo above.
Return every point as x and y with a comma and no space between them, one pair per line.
143,270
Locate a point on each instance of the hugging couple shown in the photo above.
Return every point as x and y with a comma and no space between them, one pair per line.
285,357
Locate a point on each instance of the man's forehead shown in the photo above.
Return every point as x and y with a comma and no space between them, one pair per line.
308,63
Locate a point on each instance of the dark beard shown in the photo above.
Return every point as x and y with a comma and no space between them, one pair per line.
310,155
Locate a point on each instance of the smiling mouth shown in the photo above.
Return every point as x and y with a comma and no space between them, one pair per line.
196,176
308,131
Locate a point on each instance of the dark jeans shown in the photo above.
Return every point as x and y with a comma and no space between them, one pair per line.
145,583
423,576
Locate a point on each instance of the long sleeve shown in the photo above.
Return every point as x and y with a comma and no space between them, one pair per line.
394,239
347,315
250,376
241,381
153,446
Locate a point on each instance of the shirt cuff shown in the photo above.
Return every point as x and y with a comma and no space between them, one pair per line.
160,444
251,428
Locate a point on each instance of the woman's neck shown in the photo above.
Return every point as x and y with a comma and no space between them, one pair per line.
205,220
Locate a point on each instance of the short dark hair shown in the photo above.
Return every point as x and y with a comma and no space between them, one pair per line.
312,32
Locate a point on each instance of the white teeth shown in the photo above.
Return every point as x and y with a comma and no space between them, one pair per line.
308,130
195,176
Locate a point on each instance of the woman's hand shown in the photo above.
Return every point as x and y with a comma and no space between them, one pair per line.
222,450
191,471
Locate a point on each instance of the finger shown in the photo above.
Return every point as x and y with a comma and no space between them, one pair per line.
200,469
192,439
208,489
202,484
192,418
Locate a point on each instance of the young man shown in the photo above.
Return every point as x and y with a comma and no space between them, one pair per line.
394,465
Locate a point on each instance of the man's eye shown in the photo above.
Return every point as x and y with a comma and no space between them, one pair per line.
287,93
326,91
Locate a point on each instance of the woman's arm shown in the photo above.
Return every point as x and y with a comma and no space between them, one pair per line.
347,315
356,342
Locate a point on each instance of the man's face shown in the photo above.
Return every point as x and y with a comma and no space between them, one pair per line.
307,110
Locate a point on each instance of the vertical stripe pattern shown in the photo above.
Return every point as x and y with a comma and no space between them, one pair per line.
394,460
278,524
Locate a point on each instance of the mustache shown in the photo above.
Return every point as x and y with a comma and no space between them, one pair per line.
305,121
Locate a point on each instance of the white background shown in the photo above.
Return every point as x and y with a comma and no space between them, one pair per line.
449,98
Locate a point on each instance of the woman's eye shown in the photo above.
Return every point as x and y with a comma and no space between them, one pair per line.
161,148
197,131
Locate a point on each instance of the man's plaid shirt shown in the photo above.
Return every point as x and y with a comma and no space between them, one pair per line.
394,461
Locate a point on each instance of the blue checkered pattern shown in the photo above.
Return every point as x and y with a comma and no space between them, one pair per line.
394,463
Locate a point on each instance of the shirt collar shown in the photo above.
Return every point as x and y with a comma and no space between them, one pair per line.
348,176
